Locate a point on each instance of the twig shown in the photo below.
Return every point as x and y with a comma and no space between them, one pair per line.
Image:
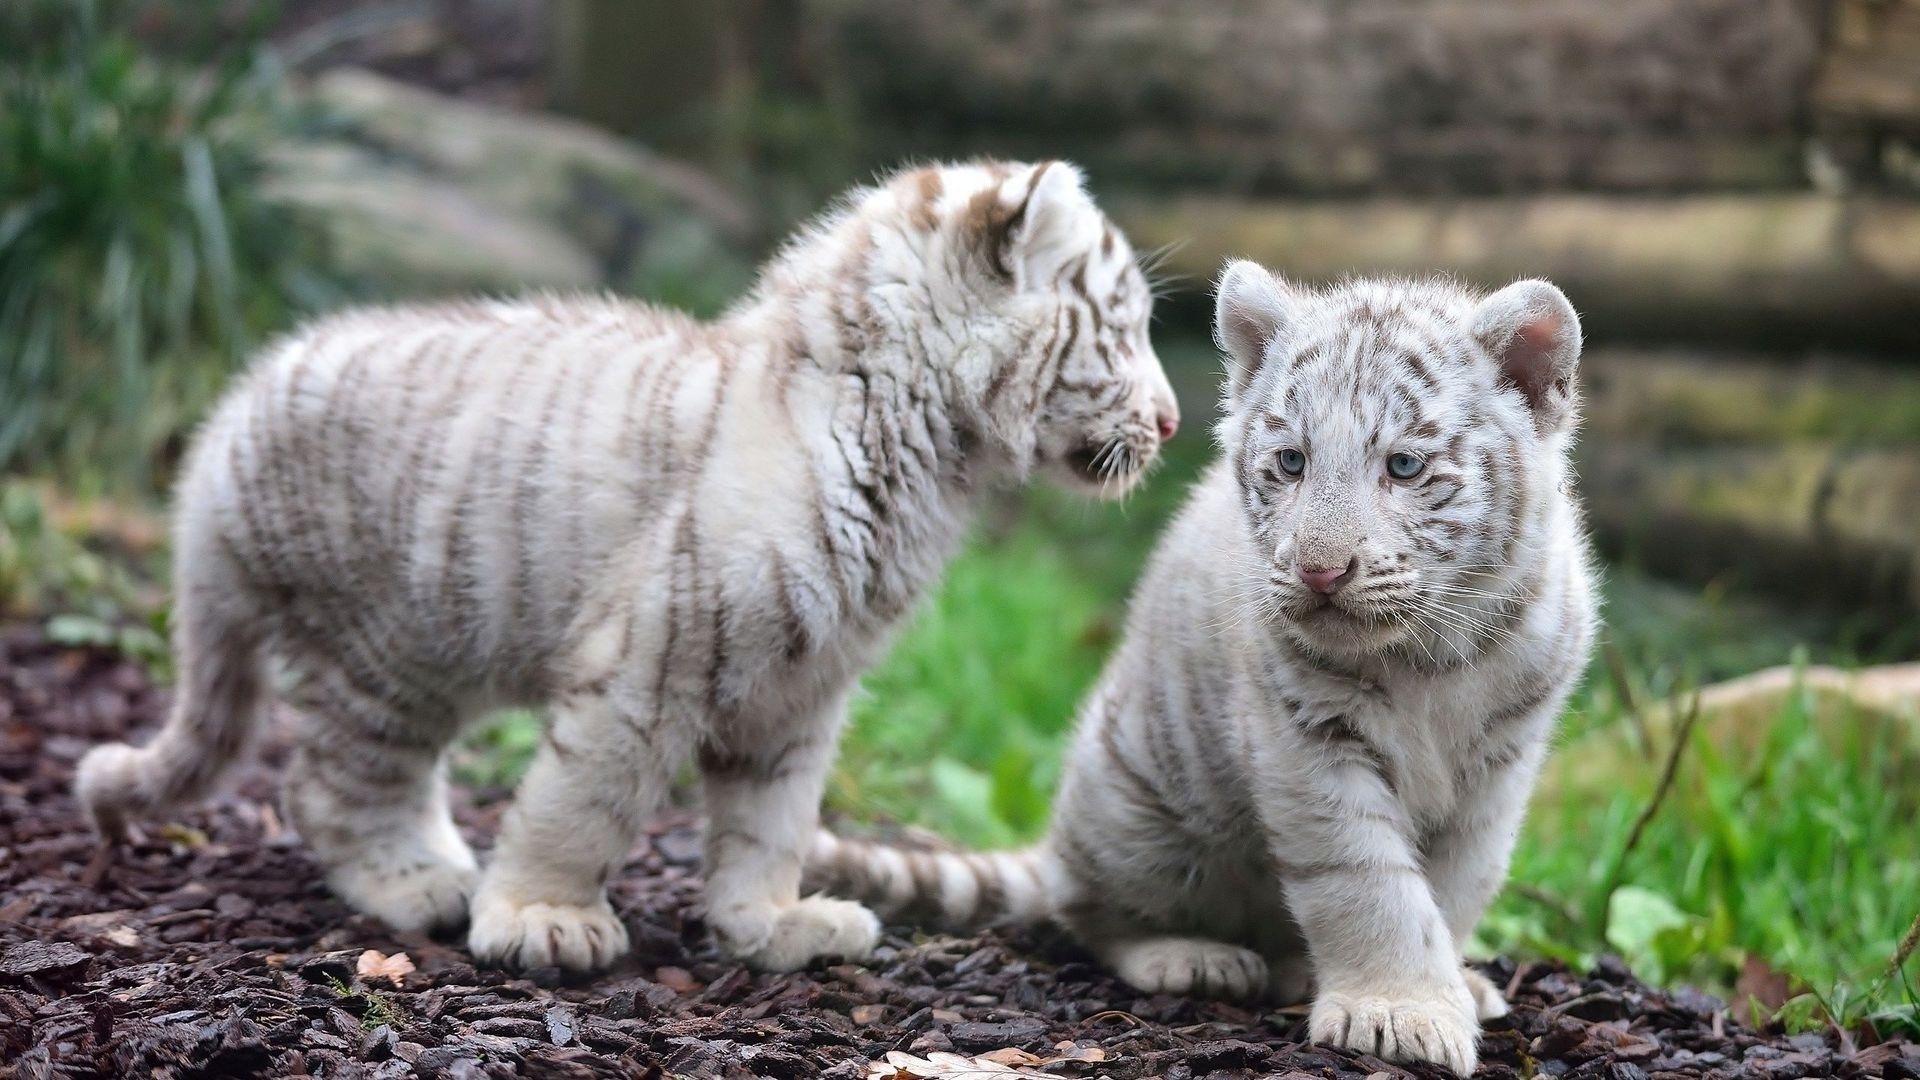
1674,754
1681,736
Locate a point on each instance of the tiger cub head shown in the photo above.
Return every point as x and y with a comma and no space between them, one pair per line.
1400,449
1044,309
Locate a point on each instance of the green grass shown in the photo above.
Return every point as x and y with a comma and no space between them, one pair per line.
1799,845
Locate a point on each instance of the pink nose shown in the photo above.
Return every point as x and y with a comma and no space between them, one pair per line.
1324,580
1169,425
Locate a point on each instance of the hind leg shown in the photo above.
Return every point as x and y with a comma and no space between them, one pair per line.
367,790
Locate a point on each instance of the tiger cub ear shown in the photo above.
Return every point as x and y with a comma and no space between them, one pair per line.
1532,332
1251,309
1034,222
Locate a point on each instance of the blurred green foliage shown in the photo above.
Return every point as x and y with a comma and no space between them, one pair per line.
137,264
95,597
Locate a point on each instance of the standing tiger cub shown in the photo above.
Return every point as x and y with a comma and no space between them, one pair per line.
1303,770
686,539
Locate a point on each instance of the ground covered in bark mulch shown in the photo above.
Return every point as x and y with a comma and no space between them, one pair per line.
209,948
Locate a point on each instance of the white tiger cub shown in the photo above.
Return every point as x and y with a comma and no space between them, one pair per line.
1308,760
686,539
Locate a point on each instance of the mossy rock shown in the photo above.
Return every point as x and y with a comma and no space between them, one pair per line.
426,195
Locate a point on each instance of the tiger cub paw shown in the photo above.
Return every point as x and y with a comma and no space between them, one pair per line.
794,936
522,936
1400,1026
1181,965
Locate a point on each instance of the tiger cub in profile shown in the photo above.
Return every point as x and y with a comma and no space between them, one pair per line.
1303,771
687,539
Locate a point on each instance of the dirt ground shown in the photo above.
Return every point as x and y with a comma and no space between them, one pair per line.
209,948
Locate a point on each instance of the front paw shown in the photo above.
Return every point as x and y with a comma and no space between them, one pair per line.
791,937
1438,1027
532,935
1177,965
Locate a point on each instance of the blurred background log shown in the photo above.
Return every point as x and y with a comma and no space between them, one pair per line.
1813,521
1346,96
1800,478
1689,397
1780,269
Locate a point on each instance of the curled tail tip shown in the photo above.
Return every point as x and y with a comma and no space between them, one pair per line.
107,784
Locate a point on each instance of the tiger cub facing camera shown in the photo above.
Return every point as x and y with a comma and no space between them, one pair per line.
685,539
1303,770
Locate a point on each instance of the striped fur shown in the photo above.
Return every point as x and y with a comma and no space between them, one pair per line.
685,539
1273,788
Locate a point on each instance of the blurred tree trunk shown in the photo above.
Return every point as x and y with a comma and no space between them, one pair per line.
687,78
654,69
1866,97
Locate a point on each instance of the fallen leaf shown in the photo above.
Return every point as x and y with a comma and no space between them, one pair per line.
1083,1053
1759,981
374,964
867,1014
94,922
678,980
185,835
1012,1055
941,1064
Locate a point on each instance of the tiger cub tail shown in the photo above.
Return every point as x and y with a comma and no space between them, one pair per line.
222,693
960,890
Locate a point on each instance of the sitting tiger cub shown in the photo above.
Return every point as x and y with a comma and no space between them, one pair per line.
686,539
1303,770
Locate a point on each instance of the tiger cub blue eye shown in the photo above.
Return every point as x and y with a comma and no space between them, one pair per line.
1292,462
1405,466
